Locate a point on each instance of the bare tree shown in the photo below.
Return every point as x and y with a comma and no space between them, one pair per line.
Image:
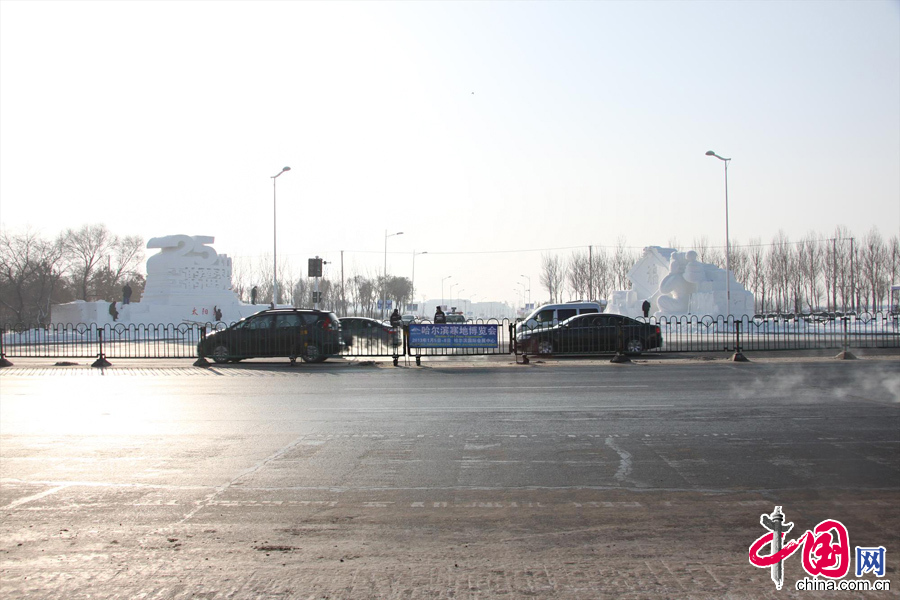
85,251
622,261
873,270
740,264
894,259
126,255
31,277
241,282
756,270
602,274
811,266
553,274
579,272
779,270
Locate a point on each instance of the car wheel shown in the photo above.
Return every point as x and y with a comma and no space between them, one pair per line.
220,354
634,347
545,347
312,354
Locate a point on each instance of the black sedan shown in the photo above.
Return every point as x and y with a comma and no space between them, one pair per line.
362,331
312,335
591,334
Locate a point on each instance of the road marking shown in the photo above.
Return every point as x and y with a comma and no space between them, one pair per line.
37,496
624,470
410,409
418,389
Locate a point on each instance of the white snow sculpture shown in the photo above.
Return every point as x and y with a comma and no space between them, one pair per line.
186,267
676,284
187,281
675,289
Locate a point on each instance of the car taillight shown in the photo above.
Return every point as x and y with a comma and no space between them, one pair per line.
658,330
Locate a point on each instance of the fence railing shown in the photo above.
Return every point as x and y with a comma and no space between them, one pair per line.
681,334
612,333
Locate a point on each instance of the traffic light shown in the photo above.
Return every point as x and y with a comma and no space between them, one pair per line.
315,267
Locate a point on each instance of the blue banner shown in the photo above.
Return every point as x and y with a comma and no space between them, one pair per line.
453,336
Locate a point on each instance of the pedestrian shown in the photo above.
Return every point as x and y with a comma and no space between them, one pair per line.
113,312
439,316
396,320
646,308
217,312
253,295
126,294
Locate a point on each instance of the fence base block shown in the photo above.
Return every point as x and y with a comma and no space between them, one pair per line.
739,357
620,358
101,362
846,355
202,362
4,362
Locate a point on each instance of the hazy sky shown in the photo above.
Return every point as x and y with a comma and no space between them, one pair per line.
482,128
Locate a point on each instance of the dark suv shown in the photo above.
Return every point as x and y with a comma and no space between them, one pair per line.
313,335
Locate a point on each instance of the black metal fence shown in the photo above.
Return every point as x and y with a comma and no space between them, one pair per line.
682,334
613,333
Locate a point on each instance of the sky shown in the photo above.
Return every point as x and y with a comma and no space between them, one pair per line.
490,133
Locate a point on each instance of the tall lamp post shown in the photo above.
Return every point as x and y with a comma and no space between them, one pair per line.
442,288
413,283
384,284
738,355
727,242
275,240
529,286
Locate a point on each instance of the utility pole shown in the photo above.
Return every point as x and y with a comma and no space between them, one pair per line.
853,299
834,273
343,298
590,273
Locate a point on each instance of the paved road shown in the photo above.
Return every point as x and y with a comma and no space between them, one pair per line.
262,481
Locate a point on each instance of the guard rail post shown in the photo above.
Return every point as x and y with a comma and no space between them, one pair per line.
101,361
3,361
738,356
845,354
620,346
201,360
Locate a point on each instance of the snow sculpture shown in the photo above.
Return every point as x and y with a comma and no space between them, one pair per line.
187,282
185,267
675,289
685,286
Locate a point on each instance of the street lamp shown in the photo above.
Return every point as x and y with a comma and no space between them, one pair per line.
413,284
384,283
275,240
529,286
738,356
451,290
727,242
442,288
458,294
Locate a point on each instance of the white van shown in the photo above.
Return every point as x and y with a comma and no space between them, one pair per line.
549,315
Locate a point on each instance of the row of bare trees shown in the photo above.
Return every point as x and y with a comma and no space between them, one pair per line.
89,263
835,273
354,295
